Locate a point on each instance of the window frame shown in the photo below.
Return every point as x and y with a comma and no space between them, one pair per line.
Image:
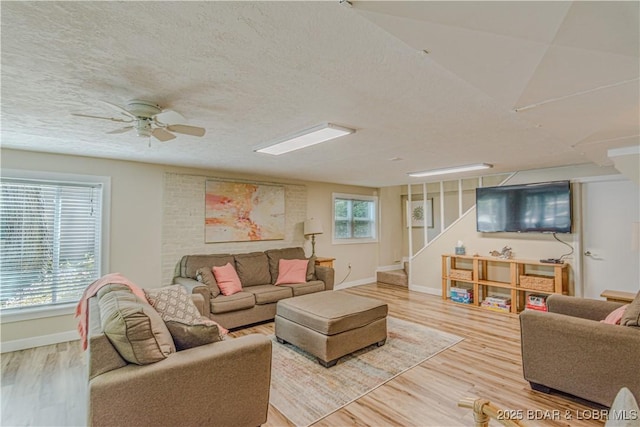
355,197
17,314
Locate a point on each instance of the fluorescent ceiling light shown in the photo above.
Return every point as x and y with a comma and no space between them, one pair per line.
466,168
306,138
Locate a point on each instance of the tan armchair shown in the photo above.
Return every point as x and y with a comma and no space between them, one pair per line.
568,349
223,383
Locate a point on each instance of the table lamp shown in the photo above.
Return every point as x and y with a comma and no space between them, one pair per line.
311,228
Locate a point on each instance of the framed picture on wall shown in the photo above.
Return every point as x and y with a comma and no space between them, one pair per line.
418,216
237,212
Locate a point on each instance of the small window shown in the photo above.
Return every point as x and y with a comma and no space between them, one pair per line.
50,241
354,218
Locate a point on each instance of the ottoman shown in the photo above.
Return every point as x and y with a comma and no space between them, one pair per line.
331,324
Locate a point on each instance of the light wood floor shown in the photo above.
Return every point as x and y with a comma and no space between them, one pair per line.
46,385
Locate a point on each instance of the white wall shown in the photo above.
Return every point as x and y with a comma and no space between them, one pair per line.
391,220
362,257
138,223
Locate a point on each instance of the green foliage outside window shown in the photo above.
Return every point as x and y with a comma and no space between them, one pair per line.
354,218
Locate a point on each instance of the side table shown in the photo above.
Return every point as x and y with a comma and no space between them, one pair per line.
325,262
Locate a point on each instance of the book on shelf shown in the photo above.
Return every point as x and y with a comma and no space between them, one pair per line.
463,295
497,299
465,299
536,302
501,309
496,307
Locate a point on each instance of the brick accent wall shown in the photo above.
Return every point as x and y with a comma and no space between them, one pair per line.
183,221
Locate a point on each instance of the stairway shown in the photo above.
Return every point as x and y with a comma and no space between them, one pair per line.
394,277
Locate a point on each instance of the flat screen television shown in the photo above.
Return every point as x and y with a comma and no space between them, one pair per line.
528,208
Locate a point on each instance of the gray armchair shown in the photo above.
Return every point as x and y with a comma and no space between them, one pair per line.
568,349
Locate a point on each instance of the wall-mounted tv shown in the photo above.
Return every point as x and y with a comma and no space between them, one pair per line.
539,208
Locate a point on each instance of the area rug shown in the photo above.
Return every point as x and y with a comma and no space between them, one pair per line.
305,392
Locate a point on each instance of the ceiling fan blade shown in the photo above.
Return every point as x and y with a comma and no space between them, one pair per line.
169,117
120,109
162,134
103,118
121,130
187,130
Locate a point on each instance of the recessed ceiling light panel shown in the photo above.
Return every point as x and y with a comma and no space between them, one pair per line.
454,169
305,138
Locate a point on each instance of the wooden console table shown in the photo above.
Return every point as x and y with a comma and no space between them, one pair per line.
480,277
618,296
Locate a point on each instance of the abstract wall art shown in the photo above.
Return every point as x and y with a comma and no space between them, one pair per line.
238,212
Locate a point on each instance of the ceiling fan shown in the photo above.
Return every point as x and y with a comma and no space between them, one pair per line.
149,119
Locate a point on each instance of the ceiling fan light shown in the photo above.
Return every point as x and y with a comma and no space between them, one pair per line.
454,169
143,128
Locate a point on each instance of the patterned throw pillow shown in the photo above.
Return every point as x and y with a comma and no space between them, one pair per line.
185,323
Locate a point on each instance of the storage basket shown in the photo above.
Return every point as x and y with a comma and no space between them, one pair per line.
537,283
460,274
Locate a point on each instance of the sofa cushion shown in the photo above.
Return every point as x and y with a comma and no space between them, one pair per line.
185,323
275,255
240,301
306,287
253,268
267,294
227,279
631,315
292,271
205,275
134,328
189,264
311,268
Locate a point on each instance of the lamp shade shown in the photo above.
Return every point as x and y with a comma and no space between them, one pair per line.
312,226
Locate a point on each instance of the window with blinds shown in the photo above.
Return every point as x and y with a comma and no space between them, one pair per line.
50,239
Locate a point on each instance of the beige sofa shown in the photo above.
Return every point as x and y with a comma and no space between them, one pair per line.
570,350
258,272
224,383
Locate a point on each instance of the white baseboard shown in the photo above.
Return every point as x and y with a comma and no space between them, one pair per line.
21,344
426,290
389,267
355,283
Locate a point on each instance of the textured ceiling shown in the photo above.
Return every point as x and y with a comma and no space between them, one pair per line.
251,72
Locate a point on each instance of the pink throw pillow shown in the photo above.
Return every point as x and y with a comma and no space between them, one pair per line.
615,316
227,278
292,271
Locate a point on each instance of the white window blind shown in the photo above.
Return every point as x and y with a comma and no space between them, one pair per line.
50,239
